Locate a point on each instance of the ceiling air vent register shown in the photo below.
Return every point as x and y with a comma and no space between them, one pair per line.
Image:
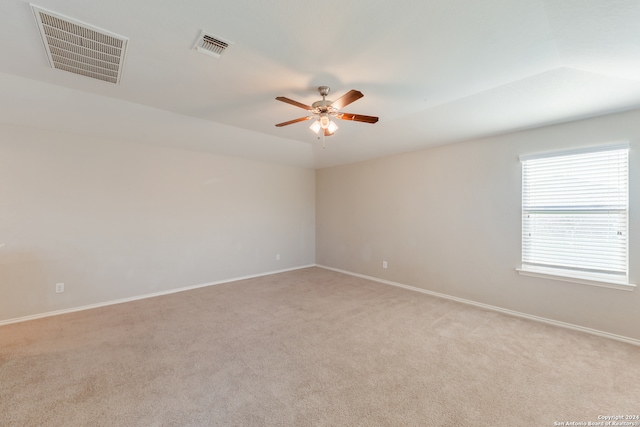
211,45
79,48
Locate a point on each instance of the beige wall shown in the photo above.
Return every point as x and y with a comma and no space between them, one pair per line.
447,219
113,220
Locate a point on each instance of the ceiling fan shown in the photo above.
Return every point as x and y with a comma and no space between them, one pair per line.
323,111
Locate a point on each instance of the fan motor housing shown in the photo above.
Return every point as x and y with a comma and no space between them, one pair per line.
323,106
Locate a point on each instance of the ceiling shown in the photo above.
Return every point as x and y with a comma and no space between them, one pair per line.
434,71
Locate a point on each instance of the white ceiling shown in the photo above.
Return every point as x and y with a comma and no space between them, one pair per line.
434,71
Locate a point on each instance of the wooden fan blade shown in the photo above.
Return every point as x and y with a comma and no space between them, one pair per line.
346,99
357,117
290,122
292,102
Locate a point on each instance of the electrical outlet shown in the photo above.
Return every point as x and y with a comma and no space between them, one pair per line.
384,264
277,257
59,288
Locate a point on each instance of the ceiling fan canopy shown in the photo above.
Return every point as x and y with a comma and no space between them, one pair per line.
324,110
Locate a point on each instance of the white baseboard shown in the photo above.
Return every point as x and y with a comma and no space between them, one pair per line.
139,297
493,308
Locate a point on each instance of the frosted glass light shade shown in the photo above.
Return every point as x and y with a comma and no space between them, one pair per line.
315,126
324,120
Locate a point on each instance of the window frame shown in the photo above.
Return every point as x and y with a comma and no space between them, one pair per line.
571,275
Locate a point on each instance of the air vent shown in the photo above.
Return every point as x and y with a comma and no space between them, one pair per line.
79,48
211,45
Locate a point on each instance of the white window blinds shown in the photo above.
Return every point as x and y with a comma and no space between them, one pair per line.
575,210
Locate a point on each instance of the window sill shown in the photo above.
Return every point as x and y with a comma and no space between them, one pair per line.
573,277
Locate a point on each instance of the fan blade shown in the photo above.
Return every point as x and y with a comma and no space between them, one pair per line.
346,99
357,117
292,102
290,122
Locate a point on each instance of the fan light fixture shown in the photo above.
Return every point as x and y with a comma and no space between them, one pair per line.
323,122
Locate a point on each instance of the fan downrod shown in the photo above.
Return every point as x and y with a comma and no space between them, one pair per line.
323,106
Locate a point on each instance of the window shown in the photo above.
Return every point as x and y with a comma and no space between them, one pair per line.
575,215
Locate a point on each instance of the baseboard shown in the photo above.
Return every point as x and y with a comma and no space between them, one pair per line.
139,297
565,325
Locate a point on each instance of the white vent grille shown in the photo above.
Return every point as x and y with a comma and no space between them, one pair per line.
79,48
211,45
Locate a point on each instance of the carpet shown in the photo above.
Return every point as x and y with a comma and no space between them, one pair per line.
310,347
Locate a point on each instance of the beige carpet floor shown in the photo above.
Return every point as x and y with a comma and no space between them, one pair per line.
310,347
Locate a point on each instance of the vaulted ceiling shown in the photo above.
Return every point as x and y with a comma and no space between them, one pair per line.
434,71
